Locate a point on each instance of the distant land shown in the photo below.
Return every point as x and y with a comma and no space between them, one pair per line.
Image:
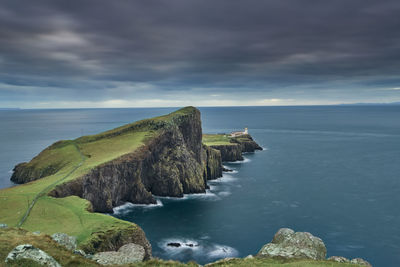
9,108
371,104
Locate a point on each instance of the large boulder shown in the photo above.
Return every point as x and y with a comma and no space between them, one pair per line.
29,252
290,244
129,253
69,242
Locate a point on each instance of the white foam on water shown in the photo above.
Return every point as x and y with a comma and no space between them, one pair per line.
221,251
128,206
10,172
226,178
185,245
224,193
245,160
213,187
208,195
197,249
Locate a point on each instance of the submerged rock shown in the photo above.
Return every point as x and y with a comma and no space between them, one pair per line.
173,244
27,251
129,253
290,244
65,240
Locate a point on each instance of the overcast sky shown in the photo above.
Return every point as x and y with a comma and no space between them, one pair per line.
127,53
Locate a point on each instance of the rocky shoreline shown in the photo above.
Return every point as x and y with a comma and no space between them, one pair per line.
286,246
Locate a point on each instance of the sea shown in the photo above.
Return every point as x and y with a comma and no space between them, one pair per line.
333,171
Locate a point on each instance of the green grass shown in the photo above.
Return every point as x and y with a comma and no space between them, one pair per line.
67,160
69,215
217,139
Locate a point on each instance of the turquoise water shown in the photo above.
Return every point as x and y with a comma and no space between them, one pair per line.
332,171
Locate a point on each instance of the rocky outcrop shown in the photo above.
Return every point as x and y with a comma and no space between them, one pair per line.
127,254
114,238
69,242
29,252
246,143
239,145
290,244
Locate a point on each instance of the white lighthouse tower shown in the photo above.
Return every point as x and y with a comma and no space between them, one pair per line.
246,131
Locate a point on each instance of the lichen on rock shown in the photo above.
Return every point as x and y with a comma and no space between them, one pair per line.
27,251
290,244
129,253
69,242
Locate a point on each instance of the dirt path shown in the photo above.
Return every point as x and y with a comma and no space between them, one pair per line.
44,191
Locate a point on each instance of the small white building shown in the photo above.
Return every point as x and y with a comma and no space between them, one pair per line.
236,134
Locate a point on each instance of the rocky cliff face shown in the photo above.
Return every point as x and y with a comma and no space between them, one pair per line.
233,151
213,163
171,164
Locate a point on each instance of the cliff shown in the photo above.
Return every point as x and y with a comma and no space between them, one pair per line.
231,148
171,163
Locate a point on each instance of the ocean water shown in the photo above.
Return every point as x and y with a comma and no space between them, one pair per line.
333,171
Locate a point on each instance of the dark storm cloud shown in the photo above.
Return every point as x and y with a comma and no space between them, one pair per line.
56,49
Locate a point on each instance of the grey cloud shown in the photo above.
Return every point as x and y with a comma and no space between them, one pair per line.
255,46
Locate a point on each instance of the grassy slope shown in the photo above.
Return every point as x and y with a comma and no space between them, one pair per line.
69,215
217,139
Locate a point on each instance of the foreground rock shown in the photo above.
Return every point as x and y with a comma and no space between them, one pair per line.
360,262
129,253
289,244
69,242
29,252
339,259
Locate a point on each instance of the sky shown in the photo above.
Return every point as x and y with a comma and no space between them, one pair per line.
128,53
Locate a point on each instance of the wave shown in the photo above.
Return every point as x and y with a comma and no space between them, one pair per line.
220,251
208,195
196,249
10,172
226,178
128,206
245,160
